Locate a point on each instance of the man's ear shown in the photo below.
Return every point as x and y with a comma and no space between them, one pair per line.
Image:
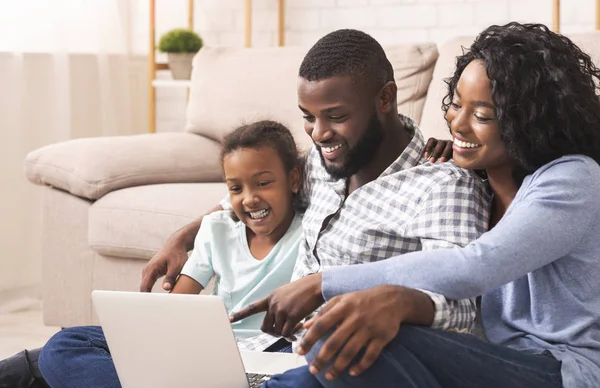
296,179
387,97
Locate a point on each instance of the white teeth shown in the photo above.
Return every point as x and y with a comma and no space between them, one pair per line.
332,149
259,214
464,144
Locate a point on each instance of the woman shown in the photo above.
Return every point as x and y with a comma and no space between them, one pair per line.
522,105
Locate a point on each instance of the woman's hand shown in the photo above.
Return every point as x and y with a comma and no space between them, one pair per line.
438,150
368,319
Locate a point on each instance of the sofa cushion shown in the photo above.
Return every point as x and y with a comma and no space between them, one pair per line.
135,222
433,123
92,167
232,86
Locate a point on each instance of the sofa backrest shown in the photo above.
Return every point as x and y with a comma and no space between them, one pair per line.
432,122
233,86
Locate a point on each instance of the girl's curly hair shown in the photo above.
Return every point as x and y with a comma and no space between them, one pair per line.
545,93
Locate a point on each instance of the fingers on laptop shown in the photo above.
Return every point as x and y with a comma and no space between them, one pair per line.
268,322
252,309
277,323
149,277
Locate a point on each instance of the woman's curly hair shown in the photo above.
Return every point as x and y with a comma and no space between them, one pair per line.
544,91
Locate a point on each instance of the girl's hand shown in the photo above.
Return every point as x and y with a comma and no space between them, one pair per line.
438,150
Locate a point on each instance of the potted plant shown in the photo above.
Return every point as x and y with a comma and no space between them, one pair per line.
181,45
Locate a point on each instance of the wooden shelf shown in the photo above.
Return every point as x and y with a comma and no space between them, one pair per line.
154,67
171,83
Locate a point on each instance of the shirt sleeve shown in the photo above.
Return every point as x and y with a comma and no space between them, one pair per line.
199,265
551,214
226,203
305,263
454,213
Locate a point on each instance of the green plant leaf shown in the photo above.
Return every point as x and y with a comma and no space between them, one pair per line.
180,40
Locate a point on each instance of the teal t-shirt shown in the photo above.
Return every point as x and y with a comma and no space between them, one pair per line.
221,249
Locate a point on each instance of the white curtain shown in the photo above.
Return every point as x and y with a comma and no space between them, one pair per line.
67,70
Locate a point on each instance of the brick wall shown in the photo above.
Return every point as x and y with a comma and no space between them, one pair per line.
221,22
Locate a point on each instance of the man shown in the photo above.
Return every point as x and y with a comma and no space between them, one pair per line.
370,196
369,193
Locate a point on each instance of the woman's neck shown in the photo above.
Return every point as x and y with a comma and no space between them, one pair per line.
504,189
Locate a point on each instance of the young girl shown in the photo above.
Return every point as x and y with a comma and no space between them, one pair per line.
254,252
251,250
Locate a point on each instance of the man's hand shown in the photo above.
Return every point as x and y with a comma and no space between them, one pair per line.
367,319
286,306
438,150
169,261
172,256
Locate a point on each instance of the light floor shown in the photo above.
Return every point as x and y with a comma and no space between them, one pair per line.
21,328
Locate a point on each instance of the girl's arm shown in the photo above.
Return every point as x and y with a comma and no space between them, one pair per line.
187,285
198,269
172,256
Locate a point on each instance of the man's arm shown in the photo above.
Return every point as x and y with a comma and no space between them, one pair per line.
169,260
454,213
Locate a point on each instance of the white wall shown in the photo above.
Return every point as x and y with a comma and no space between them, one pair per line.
221,22
32,114
62,63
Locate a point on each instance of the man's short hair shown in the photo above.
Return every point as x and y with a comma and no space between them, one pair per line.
350,53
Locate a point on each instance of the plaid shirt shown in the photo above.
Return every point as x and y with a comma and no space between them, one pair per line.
413,205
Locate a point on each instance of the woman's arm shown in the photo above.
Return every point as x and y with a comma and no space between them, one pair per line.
187,285
546,222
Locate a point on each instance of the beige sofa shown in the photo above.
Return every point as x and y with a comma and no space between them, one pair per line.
110,203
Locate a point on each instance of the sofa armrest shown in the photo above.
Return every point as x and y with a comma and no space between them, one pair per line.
93,167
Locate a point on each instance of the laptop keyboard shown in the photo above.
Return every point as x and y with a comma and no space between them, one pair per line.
255,380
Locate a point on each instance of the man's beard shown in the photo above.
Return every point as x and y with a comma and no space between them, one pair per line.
361,155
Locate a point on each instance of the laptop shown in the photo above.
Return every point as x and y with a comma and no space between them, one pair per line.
169,340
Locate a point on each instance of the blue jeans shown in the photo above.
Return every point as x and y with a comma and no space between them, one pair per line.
79,357
427,358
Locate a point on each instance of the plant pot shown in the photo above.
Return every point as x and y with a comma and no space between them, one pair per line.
181,65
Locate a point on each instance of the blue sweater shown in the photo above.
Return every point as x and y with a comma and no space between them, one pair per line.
538,270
